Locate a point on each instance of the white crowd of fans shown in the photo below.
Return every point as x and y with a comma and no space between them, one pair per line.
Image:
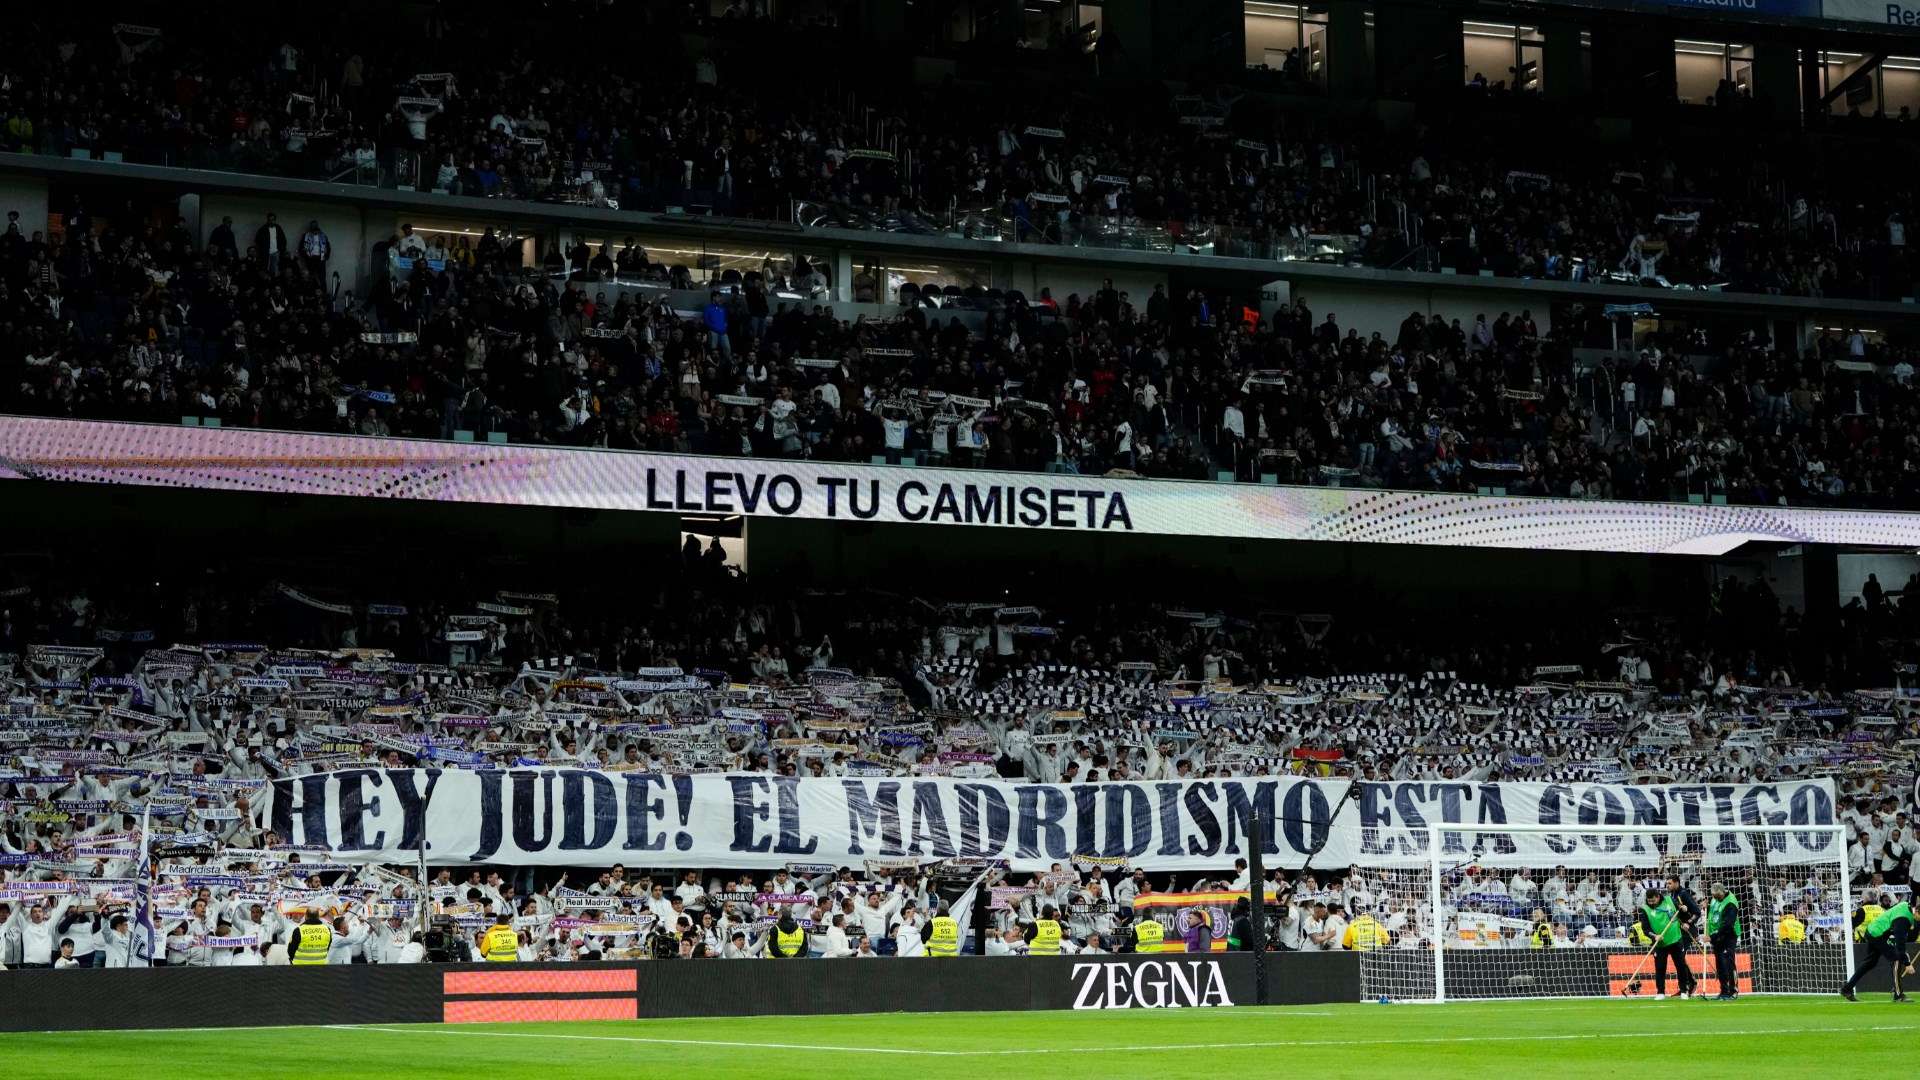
186,737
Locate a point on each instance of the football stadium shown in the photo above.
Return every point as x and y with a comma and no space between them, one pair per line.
1206,536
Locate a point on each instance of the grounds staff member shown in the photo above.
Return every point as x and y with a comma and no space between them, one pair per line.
1887,935
310,941
501,945
1724,931
1660,918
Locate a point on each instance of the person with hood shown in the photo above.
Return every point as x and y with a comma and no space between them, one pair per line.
788,939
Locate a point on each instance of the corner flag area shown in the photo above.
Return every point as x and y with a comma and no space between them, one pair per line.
1754,1038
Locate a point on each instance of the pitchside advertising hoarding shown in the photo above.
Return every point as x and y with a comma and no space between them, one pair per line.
580,817
179,996
295,463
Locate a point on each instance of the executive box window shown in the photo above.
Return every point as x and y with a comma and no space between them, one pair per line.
1503,56
1700,68
1892,87
920,273
1059,25
1277,32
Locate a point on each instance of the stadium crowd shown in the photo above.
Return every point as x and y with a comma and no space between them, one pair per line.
127,705
124,320
492,109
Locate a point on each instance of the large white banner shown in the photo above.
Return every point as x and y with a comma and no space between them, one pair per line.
313,464
579,817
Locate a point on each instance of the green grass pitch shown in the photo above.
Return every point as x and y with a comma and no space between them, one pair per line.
1753,1039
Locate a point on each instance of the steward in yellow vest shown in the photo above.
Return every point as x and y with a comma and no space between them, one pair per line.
943,937
311,940
501,945
1043,937
1861,918
786,939
1147,935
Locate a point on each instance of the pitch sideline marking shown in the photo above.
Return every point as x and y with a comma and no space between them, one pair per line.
1259,1045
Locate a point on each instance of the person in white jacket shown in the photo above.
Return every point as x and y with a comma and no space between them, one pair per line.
37,930
386,939
906,933
9,936
224,956
78,928
1007,943
877,913
125,945
264,923
349,936
836,946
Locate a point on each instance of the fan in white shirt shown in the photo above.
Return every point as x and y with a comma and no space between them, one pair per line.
1521,887
1289,927
1323,929
1556,886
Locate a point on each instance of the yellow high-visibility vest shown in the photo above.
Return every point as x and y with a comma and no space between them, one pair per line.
1147,935
1868,913
944,939
1046,938
502,945
311,943
791,944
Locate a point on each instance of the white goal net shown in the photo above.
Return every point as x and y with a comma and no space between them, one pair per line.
1558,914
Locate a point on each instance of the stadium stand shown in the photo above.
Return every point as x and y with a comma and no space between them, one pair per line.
145,325
495,118
185,719
1059,692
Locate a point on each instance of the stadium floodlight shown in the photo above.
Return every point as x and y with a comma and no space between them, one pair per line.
1526,911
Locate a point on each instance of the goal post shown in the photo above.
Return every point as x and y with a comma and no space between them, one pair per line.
1495,910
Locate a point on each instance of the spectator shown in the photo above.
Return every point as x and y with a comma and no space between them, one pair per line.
270,243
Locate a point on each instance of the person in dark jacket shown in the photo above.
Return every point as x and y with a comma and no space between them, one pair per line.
222,240
1689,905
270,243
